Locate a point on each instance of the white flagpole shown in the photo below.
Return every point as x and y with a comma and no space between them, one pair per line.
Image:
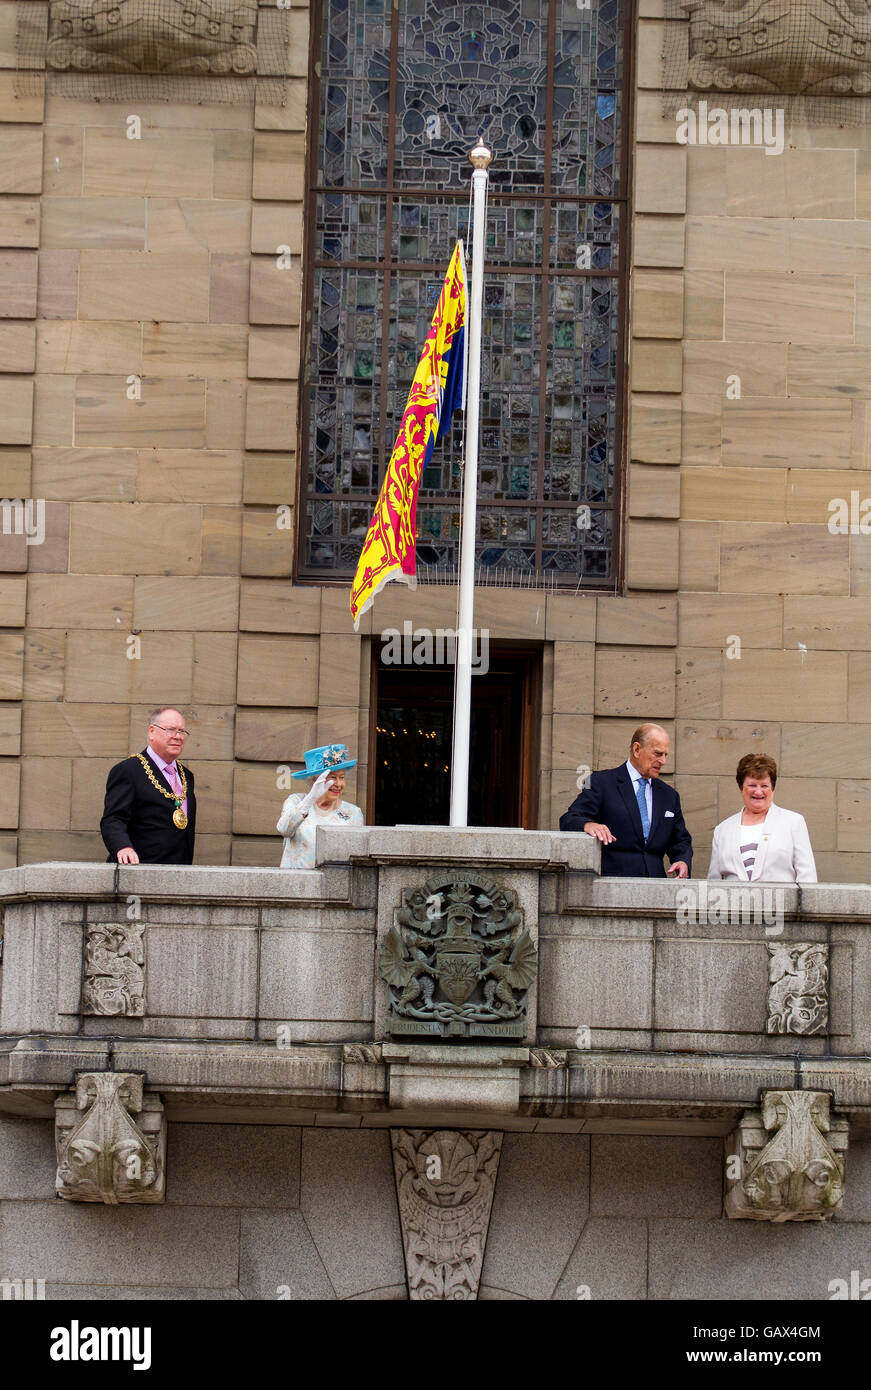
481,157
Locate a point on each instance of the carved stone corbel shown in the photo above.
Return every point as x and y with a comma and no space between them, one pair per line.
444,1181
779,1164
104,1155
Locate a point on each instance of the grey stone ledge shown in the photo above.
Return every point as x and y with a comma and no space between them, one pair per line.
309,1079
175,883
715,1079
439,844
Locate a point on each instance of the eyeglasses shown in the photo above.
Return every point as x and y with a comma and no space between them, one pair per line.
182,733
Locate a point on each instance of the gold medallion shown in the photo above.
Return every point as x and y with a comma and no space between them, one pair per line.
179,818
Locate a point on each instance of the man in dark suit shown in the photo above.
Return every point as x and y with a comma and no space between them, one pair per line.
636,818
150,812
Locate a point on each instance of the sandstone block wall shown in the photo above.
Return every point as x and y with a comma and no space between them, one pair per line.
752,266
156,259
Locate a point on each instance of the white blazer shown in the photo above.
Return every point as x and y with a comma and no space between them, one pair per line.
784,854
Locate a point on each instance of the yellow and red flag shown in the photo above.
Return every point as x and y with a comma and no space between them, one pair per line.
389,550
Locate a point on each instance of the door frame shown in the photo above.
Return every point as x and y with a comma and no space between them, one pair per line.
532,656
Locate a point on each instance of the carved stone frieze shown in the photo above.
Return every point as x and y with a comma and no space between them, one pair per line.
177,37
798,987
780,47
114,981
365,1053
547,1057
460,962
780,1166
104,1155
445,1181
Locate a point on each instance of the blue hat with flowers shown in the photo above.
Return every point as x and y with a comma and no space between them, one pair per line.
330,757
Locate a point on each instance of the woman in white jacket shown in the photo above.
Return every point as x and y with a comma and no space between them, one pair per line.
763,842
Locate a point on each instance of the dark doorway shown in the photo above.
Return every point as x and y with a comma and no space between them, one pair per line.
410,742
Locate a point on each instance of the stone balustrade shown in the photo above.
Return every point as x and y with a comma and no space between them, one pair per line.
656,1005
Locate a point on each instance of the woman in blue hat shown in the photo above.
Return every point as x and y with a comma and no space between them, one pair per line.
302,813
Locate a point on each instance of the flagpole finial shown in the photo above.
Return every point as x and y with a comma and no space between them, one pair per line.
481,156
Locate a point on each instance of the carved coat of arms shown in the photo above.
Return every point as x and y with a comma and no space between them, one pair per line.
460,963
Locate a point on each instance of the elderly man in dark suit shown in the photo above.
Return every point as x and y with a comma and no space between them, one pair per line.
150,812
636,818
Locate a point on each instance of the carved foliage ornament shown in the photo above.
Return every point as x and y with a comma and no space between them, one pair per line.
460,963
444,1182
781,47
114,969
178,37
789,1170
104,1155
798,987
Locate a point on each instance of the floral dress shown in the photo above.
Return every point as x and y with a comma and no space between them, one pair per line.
299,831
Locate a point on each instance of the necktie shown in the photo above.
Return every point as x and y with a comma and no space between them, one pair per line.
172,775
641,793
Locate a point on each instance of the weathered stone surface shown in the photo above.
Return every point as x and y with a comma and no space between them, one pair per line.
21,161
534,1226
443,1079
602,984
723,1260
27,1162
168,412
278,1258
609,1261
233,1166
635,1175
137,538
176,163
349,1203
201,973
195,1247
318,973
278,671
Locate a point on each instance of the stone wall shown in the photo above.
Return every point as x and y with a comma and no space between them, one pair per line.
149,310
266,1212
755,265
157,258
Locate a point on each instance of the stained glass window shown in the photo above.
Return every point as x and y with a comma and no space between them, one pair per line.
402,91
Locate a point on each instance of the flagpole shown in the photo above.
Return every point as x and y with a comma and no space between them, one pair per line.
480,157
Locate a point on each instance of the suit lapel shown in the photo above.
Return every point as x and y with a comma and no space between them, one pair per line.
627,791
658,806
765,832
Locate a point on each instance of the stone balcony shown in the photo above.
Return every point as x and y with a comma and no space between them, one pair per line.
257,996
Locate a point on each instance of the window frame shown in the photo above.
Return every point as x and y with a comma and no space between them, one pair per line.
308,575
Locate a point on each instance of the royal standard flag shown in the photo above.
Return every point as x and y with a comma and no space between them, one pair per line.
389,550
